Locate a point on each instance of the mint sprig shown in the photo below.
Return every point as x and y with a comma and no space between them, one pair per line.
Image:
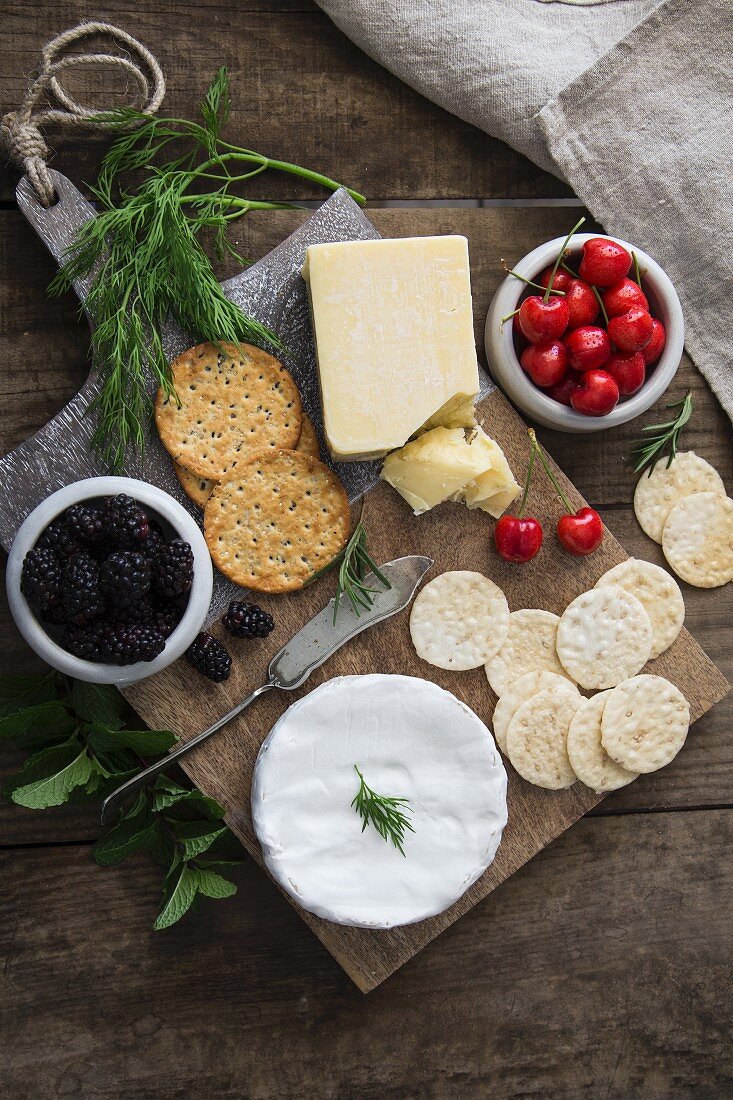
80,748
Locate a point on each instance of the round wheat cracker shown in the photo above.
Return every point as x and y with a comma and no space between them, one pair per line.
282,517
459,620
588,759
537,738
230,398
199,489
698,540
517,692
604,636
659,594
657,493
645,723
530,646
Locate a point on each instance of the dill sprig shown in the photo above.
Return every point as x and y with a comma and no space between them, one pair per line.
147,260
383,812
648,450
356,562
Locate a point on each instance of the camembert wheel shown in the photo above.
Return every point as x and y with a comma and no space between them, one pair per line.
410,740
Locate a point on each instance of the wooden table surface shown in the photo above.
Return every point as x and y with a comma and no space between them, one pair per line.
602,969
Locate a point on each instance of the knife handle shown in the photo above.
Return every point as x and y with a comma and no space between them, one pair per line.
124,793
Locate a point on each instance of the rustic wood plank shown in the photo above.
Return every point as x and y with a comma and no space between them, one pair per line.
301,92
456,539
566,983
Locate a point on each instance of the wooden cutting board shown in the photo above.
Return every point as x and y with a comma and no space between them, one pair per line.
456,539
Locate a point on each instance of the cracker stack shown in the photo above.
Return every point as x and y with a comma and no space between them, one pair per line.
245,452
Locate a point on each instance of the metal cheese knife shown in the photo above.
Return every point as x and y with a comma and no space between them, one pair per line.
306,651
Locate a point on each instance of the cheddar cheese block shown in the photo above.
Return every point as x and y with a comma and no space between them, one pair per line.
393,325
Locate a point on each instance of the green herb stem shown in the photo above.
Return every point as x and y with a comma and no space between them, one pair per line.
385,813
648,451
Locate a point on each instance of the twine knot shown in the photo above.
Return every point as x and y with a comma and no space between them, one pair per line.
20,131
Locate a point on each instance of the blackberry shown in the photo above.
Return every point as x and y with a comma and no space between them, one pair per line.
124,577
156,539
40,577
53,613
173,569
209,657
81,595
166,618
126,525
84,524
82,641
59,539
247,620
128,643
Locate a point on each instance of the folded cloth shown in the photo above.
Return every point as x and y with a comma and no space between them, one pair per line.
631,103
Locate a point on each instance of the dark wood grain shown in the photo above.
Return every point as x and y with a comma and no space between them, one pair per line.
301,91
599,970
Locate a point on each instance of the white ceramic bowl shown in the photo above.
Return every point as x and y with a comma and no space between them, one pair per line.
163,507
507,371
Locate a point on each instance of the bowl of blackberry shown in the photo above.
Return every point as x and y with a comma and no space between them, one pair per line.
109,580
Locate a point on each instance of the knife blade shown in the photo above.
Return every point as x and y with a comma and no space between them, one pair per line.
307,650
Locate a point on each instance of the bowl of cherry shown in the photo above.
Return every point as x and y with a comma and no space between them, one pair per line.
585,333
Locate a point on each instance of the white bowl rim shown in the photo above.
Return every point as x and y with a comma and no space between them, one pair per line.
169,510
506,369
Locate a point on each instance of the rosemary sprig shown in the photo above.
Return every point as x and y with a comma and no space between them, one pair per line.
145,254
648,450
356,562
385,813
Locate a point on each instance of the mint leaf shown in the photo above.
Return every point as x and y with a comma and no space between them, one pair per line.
97,703
49,777
145,742
37,725
195,800
212,885
161,845
196,837
19,692
129,836
179,898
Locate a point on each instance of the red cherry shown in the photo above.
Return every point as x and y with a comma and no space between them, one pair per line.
564,390
541,321
629,370
603,262
518,538
655,347
560,282
632,331
581,302
588,347
545,364
596,394
622,296
581,533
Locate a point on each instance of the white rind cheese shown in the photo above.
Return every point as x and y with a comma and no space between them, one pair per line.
409,738
393,325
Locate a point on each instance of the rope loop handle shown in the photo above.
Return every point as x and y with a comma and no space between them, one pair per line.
20,131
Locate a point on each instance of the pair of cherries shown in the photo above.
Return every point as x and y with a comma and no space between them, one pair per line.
519,538
579,362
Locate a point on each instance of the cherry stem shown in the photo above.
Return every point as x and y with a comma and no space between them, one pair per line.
537,286
561,254
637,272
555,483
600,303
507,318
569,270
532,456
